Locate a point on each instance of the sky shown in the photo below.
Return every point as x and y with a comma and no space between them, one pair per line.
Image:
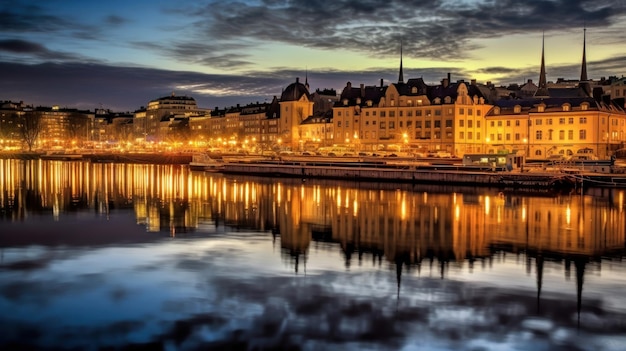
120,54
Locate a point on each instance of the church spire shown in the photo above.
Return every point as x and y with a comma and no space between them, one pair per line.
584,81
542,90
401,75
583,70
306,78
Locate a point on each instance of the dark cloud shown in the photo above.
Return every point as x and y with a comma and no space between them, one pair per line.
33,50
433,29
20,18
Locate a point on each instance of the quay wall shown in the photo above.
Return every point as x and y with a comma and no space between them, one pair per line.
409,175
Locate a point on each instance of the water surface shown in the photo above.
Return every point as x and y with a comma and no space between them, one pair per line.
117,256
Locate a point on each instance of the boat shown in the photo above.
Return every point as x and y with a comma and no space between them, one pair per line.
204,162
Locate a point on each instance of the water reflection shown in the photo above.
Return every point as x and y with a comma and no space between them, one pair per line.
460,242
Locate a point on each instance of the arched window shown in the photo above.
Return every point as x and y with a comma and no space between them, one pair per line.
537,152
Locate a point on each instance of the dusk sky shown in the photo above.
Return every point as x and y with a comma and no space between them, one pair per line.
122,54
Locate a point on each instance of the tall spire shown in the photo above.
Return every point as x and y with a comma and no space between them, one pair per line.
584,81
306,78
401,75
542,90
583,70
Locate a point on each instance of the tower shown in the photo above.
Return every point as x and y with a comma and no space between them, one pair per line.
401,75
584,81
542,90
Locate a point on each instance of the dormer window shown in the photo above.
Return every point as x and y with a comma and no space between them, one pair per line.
447,100
584,106
437,101
345,102
566,107
517,109
413,90
496,110
541,108
358,101
369,103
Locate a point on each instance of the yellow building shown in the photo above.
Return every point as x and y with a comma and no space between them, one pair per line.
295,107
412,117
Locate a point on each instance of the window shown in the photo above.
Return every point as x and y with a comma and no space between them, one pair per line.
562,120
508,123
382,125
338,123
477,124
437,124
347,124
539,135
461,123
477,135
570,135
538,122
461,135
582,120
448,123
517,123
418,124
418,113
409,124
400,124
437,112
469,135
427,124
392,125
383,114
499,123
461,111
493,124
469,124
570,120
499,137
582,134
508,136
549,121
561,135
470,112
517,137
477,112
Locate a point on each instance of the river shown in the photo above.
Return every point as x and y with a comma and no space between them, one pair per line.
123,256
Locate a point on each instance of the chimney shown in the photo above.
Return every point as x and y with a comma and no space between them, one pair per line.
297,79
445,82
362,90
473,82
381,82
449,77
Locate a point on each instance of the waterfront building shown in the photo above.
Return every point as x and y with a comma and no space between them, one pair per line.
411,116
295,107
557,121
147,124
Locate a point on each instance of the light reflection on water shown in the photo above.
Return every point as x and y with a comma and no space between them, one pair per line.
114,255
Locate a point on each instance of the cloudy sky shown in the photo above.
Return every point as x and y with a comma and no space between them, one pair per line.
120,54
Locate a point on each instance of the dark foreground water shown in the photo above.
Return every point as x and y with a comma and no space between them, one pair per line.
102,256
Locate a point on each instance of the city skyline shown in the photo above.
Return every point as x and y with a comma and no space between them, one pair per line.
121,55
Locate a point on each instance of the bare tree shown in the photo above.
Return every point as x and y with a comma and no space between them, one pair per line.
30,127
78,126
